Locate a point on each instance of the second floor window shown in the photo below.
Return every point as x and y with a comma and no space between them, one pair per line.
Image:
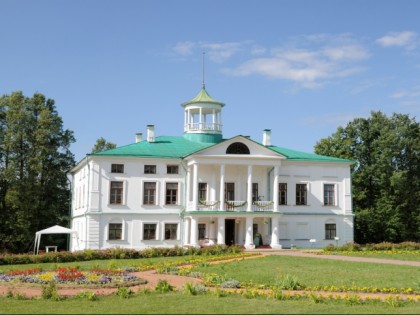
150,169
282,194
171,193
255,196
117,168
202,191
116,193
301,194
172,169
149,193
329,195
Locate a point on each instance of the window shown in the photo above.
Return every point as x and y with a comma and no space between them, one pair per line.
255,196
150,169
149,231
229,191
202,191
171,231
301,192
237,148
149,193
115,231
172,169
201,231
282,194
117,168
116,193
171,193
330,231
329,195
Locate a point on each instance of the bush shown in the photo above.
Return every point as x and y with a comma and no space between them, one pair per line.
115,253
163,286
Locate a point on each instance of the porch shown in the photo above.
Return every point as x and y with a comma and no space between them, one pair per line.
250,231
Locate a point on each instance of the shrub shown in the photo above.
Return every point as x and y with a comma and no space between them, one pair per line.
194,289
231,284
163,286
124,292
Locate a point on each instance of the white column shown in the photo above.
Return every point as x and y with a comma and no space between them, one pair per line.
241,232
195,187
186,231
194,232
222,188
275,233
200,119
276,189
249,242
220,230
249,190
188,188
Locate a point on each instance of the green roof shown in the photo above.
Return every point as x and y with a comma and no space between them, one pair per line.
202,97
294,155
163,147
180,147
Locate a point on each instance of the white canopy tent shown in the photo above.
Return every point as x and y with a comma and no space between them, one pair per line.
56,229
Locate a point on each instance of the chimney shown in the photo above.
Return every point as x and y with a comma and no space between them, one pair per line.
139,137
151,133
267,137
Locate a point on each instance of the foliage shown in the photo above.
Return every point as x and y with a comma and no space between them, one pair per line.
117,253
102,145
385,176
163,286
34,159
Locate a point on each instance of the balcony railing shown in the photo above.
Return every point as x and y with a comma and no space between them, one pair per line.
235,205
232,206
207,126
262,205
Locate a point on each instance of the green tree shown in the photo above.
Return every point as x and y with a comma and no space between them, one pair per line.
102,145
34,161
385,177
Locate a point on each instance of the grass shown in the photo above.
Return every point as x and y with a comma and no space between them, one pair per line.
179,303
266,270
315,271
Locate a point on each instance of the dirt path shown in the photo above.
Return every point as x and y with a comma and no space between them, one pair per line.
178,282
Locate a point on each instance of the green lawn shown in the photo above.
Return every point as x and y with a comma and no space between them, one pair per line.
179,303
407,255
315,271
264,270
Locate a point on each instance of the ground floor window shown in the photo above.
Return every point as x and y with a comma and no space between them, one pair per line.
171,231
115,231
330,231
149,231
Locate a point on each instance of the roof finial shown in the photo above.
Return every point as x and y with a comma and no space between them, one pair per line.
204,86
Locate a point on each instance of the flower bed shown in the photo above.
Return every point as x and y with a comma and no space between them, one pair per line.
71,276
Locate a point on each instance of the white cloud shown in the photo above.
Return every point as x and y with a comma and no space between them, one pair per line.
184,48
310,68
406,39
220,52
414,92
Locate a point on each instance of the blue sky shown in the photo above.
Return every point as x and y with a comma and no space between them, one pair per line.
299,68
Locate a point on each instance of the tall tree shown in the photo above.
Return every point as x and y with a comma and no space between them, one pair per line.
386,183
34,160
102,145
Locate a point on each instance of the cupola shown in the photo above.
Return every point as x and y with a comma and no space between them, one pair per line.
203,118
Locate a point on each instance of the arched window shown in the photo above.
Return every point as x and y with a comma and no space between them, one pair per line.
237,148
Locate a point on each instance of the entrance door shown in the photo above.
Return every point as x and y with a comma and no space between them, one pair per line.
230,232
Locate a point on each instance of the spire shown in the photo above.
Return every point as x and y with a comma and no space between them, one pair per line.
204,85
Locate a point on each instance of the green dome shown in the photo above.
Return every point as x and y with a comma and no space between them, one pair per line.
202,97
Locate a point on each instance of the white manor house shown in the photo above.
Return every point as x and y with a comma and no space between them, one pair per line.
200,188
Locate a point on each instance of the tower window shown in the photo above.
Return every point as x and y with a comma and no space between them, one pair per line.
237,148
